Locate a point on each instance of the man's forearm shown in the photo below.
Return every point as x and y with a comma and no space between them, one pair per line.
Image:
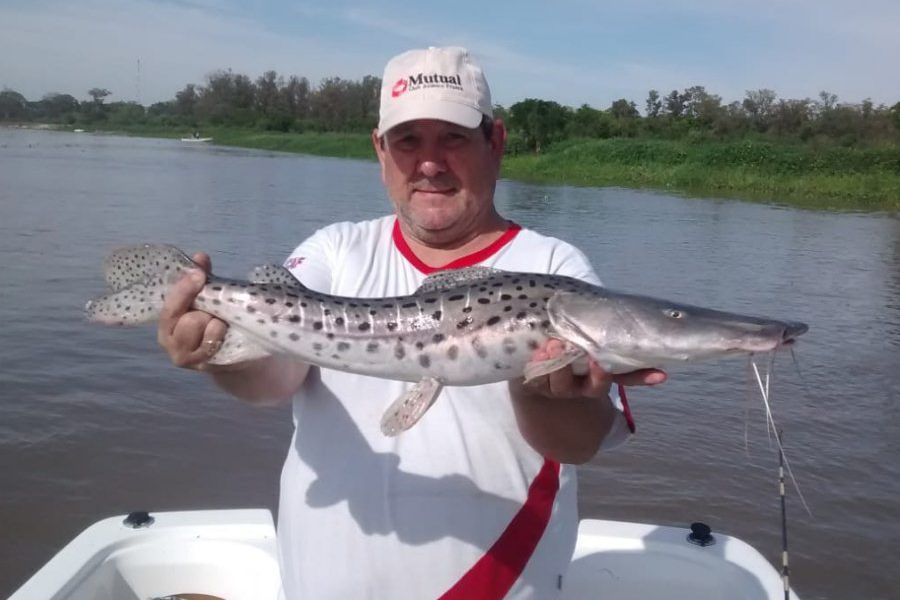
270,380
568,430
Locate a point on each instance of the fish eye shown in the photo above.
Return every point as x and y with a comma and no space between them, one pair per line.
674,313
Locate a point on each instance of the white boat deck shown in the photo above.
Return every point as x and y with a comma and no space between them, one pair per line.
231,554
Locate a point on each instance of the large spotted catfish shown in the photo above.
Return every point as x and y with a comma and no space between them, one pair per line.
465,327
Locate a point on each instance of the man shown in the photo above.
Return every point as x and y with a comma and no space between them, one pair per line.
478,500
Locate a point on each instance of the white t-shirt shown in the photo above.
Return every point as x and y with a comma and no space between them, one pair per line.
459,506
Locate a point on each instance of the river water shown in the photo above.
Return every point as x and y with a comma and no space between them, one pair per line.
94,422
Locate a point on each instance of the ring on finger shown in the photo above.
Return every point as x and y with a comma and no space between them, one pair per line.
212,346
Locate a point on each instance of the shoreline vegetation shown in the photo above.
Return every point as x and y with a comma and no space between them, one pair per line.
801,175
812,153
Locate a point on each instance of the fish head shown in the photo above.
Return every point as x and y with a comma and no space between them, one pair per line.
624,332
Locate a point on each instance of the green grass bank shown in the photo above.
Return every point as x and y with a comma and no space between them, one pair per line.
806,175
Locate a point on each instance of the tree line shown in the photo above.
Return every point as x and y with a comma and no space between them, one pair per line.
274,103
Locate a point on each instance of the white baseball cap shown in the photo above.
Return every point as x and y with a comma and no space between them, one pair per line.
437,83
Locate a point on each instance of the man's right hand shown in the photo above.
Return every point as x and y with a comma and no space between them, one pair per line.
190,337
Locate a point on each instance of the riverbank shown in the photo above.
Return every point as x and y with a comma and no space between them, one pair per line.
805,175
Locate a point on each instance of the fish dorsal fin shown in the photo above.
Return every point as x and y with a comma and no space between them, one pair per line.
274,274
443,280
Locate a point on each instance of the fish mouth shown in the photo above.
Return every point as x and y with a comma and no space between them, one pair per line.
793,330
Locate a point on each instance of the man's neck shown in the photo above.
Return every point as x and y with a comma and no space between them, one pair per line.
436,254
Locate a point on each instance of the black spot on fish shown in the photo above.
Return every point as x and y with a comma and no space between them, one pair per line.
493,320
391,325
199,299
430,300
365,326
438,338
317,325
343,346
505,297
372,347
294,318
467,309
436,315
317,346
353,305
329,335
326,311
452,352
424,360
261,321
335,357
410,305
339,321
455,297
387,306
532,283
373,312
216,301
507,308
533,344
270,300
484,301
533,304
521,315
420,345
545,324
251,310
294,337
464,323
217,288
289,304
523,296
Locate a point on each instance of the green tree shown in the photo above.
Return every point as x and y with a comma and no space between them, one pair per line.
539,121
653,104
13,106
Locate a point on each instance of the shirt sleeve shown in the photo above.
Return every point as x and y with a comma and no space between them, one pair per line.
312,262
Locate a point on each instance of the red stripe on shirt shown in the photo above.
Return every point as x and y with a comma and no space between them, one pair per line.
492,576
466,261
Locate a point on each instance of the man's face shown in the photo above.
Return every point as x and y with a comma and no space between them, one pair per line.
441,178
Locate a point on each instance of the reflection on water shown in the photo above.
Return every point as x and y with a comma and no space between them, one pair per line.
94,422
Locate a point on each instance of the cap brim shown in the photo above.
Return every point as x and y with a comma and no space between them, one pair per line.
452,112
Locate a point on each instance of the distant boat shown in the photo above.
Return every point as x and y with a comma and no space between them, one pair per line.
196,139
78,131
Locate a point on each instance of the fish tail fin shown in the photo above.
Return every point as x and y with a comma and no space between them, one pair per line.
138,278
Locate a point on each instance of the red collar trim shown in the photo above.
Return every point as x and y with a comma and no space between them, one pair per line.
465,261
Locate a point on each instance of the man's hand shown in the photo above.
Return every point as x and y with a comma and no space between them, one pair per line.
190,337
565,415
566,384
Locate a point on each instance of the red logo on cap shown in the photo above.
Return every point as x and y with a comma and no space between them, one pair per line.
398,88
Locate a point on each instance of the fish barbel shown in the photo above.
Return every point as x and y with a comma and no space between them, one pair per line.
466,327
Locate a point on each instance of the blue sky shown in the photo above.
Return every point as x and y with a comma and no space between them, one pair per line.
574,52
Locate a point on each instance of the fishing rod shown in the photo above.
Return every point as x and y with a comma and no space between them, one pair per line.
785,570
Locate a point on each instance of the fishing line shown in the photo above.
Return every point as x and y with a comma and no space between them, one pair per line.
763,389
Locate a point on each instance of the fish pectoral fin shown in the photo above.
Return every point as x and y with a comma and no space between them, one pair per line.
237,347
410,407
275,274
570,355
444,280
